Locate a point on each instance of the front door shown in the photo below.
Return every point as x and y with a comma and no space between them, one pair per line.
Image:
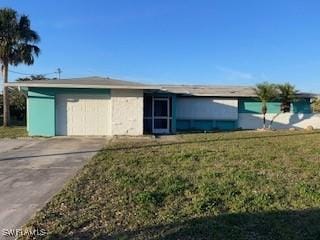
161,115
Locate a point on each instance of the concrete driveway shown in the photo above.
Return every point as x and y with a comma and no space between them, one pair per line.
33,170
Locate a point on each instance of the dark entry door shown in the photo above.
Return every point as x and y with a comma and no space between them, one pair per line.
161,115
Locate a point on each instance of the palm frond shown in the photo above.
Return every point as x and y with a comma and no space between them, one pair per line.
25,53
17,39
287,91
266,91
26,34
287,94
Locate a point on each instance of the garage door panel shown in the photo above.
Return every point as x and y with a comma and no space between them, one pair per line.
82,114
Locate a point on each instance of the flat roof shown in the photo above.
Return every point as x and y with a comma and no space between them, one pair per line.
210,90
184,90
219,91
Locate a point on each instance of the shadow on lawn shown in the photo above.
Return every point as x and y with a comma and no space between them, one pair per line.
304,224
210,140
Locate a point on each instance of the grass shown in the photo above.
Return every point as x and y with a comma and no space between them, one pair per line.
17,130
12,132
240,185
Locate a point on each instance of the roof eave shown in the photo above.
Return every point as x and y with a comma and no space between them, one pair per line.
43,85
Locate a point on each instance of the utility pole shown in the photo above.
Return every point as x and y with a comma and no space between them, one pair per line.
59,71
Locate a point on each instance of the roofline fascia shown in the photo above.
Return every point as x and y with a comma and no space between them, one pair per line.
144,87
44,85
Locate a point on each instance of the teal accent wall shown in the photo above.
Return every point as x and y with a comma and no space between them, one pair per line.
184,125
41,110
202,124
81,91
302,106
205,125
252,105
226,125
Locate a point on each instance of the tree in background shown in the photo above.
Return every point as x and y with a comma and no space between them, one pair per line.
266,92
34,78
17,103
287,93
18,106
17,45
17,99
316,105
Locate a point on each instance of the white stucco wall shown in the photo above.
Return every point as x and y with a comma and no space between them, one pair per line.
283,121
207,108
127,112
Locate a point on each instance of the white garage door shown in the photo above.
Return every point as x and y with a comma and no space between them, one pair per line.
82,114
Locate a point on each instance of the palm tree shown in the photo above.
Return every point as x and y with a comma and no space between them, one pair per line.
266,92
17,45
287,94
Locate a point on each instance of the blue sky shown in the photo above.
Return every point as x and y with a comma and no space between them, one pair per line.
179,41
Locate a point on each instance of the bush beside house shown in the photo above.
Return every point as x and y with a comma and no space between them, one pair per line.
316,105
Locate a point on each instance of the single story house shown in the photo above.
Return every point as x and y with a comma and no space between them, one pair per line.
104,106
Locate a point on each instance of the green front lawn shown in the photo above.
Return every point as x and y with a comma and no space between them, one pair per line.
240,185
12,132
17,129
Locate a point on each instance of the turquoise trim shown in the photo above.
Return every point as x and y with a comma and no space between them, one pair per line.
205,125
81,91
41,110
54,91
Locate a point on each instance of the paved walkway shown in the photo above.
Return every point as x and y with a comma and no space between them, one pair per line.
33,170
